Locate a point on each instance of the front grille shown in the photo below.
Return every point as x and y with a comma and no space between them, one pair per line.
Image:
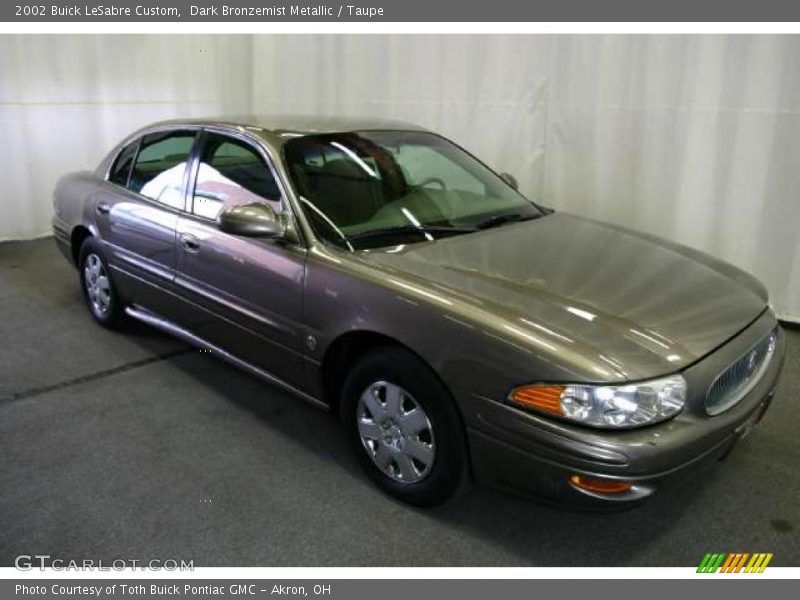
737,380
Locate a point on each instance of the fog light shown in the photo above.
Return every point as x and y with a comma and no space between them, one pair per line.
600,486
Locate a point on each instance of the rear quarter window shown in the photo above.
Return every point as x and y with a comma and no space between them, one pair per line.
160,166
121,169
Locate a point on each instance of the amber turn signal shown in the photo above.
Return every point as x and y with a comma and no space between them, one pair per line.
600,486
546,398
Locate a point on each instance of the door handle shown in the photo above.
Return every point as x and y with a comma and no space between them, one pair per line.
103,208
189,243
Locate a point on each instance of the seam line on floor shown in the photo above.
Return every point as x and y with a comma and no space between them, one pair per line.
92,376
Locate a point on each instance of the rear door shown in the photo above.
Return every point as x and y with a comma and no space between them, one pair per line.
137,212
246,292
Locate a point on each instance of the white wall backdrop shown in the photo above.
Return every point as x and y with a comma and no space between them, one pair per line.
487,93
66,100
692,138
695,138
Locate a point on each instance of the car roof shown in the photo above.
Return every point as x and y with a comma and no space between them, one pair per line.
298,124
275,130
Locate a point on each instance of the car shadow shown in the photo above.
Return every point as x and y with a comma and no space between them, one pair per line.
549,535
536,534
530,533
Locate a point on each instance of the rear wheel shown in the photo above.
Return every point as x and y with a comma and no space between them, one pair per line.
98,288
404,427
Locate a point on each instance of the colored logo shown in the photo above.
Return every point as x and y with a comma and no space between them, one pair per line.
737,562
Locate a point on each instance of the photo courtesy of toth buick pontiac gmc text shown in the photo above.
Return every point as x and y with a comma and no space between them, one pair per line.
461,331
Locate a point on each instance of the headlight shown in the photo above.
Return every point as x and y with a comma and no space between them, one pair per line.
609,406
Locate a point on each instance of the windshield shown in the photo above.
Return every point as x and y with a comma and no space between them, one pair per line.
380,188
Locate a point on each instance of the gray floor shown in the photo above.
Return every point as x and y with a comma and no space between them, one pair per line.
134,446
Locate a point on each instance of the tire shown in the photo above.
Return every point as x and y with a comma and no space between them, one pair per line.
97,286
420,459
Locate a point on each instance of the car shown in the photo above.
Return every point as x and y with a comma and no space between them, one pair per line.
462,331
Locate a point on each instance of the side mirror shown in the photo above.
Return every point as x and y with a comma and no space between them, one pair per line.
510,180
251,220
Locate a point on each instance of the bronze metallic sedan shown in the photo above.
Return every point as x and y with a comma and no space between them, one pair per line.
462,331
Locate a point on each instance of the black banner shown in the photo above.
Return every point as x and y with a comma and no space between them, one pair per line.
398,589
400,11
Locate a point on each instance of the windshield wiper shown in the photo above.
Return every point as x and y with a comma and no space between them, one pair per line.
407,230
503,219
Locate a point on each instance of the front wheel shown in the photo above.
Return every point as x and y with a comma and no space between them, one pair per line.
404,427
98,288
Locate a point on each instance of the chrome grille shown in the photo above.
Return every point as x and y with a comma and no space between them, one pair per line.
737,380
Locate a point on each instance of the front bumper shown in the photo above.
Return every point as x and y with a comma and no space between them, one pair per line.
524,452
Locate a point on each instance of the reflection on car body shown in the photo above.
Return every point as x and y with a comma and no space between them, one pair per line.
462,331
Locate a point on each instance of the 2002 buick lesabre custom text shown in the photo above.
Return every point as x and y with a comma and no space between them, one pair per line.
100,10
461,331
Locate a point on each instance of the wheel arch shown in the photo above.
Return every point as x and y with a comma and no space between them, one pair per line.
345,350
77,237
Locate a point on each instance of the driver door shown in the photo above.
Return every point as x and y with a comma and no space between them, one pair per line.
246,293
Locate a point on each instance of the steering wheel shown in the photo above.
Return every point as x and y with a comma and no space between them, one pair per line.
435,180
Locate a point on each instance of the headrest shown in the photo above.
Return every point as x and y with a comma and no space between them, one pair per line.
342,167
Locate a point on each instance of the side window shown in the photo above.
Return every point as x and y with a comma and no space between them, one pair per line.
122,165
160,165
232,172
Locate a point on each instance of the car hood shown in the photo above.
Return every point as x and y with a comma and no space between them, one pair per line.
635,305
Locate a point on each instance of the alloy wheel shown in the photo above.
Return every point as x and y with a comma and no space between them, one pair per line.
98,288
